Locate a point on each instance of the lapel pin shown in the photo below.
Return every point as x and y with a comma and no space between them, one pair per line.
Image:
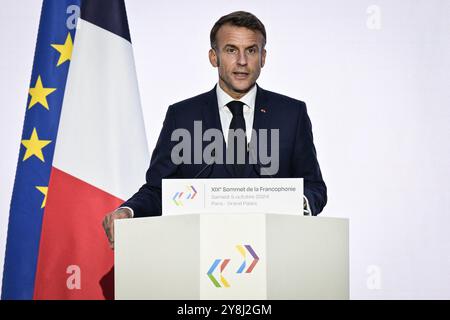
263,110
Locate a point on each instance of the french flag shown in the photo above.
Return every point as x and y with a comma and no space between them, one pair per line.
83,152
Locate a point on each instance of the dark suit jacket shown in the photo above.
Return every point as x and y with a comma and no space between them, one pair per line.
297,154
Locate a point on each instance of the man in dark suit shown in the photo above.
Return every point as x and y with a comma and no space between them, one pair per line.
235,105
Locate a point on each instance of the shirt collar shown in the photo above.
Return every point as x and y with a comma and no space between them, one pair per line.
224,98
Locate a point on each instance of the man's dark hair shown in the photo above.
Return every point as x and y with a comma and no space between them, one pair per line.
238,19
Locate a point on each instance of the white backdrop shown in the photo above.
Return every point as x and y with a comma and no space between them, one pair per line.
375,77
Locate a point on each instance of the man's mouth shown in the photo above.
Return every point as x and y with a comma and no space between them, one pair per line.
240,75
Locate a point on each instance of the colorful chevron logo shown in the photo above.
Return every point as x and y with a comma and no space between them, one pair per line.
221,277
189,194
252,252
221,281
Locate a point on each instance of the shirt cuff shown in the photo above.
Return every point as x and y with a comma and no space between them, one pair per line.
307,210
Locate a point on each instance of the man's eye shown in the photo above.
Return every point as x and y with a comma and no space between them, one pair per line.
231,50
252,50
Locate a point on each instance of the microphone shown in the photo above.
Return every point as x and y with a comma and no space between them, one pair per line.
213,154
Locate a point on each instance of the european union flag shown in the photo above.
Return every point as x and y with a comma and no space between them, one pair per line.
48,80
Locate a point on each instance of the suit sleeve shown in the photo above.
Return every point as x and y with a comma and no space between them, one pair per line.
305,163
147,201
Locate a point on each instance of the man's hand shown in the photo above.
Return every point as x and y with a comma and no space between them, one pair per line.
108,222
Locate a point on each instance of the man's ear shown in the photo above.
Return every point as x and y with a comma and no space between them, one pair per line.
213,59
263,57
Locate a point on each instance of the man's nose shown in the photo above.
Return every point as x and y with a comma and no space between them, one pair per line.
242,59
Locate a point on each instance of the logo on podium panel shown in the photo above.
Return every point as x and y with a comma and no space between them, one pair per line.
188,194
223,263
220,264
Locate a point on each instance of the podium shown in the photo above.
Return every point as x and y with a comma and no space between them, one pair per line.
232,256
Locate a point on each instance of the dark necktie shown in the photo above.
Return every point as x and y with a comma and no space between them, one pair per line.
237,122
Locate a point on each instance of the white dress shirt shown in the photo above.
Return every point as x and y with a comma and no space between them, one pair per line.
225,114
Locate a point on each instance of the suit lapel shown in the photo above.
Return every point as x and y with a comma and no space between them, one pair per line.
211,120
262,110
211,117
260,121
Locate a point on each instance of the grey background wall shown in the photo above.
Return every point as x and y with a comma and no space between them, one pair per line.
375,77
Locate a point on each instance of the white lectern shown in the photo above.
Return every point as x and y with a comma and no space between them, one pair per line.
232,256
